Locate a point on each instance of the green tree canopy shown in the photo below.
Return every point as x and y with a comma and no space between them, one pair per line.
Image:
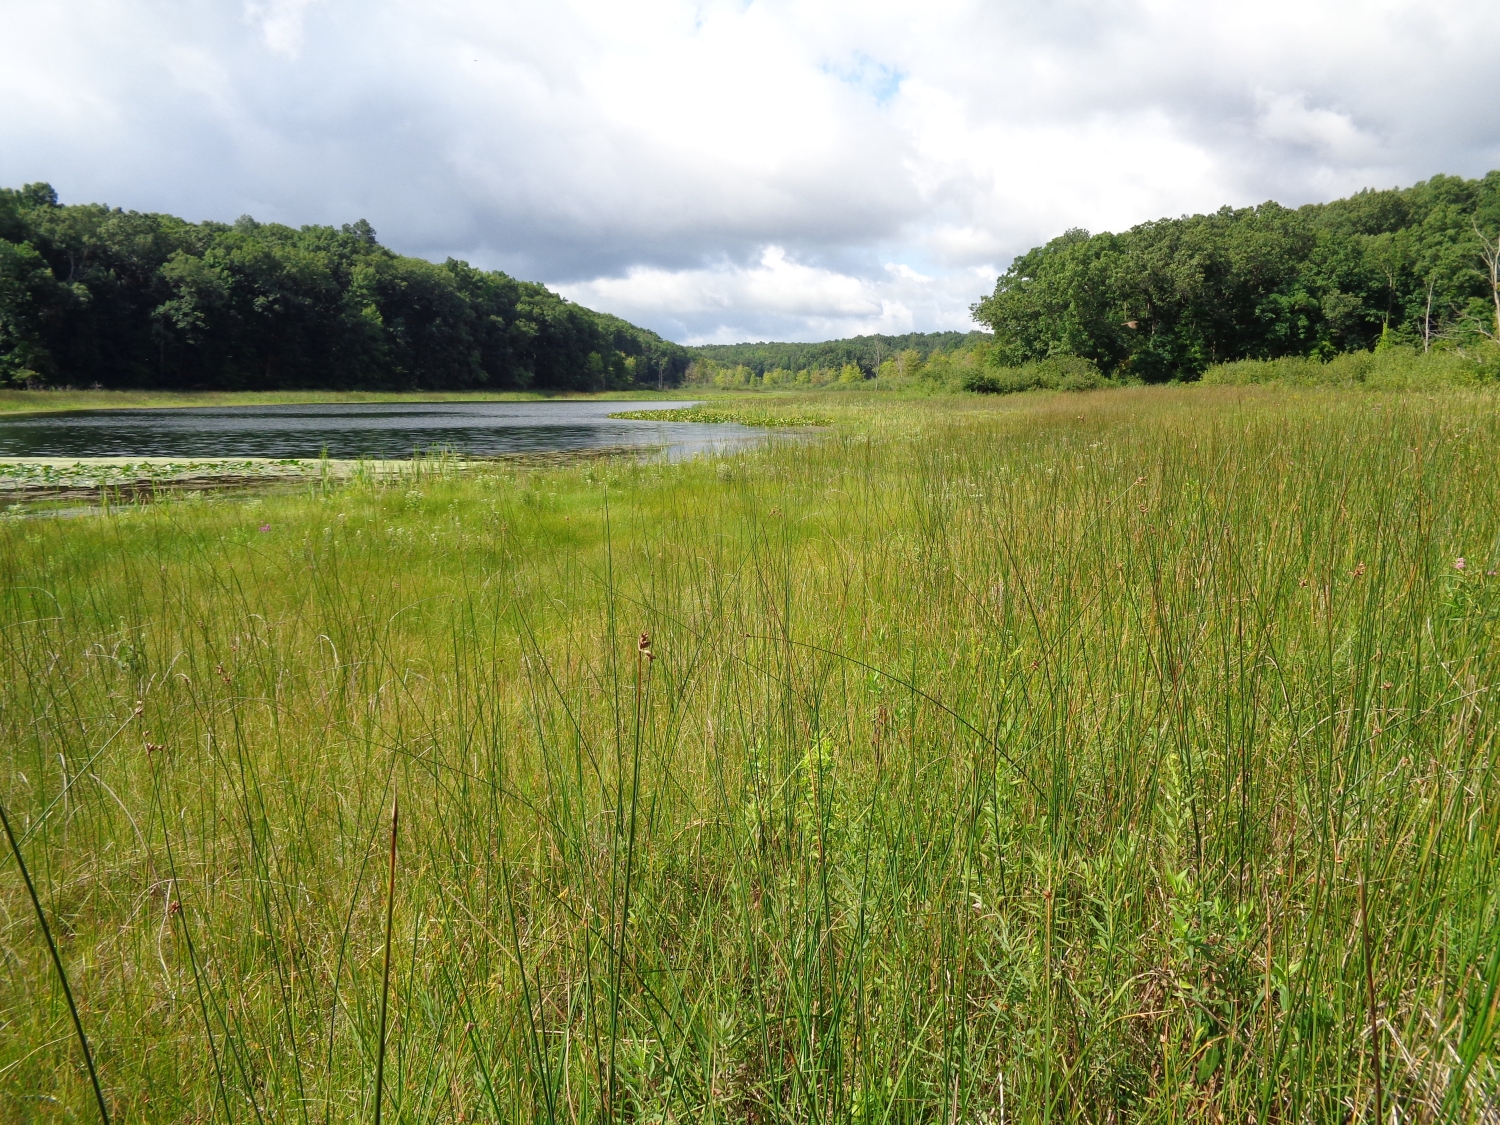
1166,299
91,294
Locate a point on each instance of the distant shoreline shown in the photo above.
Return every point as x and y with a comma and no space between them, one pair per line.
13,402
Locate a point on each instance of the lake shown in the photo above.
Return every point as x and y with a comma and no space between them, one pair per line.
348,431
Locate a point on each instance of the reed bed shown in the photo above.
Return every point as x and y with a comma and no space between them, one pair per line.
1113,757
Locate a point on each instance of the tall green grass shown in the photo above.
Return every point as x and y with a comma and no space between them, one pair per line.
1124,757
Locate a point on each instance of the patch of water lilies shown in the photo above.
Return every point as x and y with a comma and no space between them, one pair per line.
744,417
98,473
48,476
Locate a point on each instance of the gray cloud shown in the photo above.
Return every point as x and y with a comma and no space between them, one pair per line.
727,170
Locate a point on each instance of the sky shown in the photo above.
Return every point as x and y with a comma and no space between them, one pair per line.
727,171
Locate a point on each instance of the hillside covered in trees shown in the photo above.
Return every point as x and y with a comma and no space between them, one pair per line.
91,295
96,295
1167,299
1415,268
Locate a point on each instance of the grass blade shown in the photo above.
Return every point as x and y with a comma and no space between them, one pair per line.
62,976
385,969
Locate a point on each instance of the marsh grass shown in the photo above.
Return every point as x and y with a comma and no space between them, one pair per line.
61,973
1125,756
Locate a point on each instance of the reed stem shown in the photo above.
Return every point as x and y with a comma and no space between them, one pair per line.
385,969
1364,937
62,976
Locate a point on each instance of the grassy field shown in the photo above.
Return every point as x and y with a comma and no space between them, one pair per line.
1113,757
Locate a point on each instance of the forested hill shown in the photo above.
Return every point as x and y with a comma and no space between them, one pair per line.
865,352
1415,266
95,295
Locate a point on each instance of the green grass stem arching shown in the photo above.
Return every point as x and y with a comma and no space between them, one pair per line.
1124,756
57,965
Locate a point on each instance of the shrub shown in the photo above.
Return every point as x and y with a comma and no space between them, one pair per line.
1391,368
1056,373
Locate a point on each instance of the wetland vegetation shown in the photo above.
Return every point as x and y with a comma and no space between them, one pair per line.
1056,757
1113,756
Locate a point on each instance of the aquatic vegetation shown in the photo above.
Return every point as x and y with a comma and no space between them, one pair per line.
744,415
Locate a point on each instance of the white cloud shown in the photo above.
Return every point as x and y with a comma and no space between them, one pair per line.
280,23
714,304
647,156
1286,117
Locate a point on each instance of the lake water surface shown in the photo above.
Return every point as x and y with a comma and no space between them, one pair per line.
346,431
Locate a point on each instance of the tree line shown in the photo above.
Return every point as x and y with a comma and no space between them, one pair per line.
1418,266
96,295
933,361
93,295
827,361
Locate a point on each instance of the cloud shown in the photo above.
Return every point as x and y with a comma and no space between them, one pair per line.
653,158
778,297
280,23
1287,118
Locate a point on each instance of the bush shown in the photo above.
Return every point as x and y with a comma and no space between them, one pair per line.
1056,373
1394,369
